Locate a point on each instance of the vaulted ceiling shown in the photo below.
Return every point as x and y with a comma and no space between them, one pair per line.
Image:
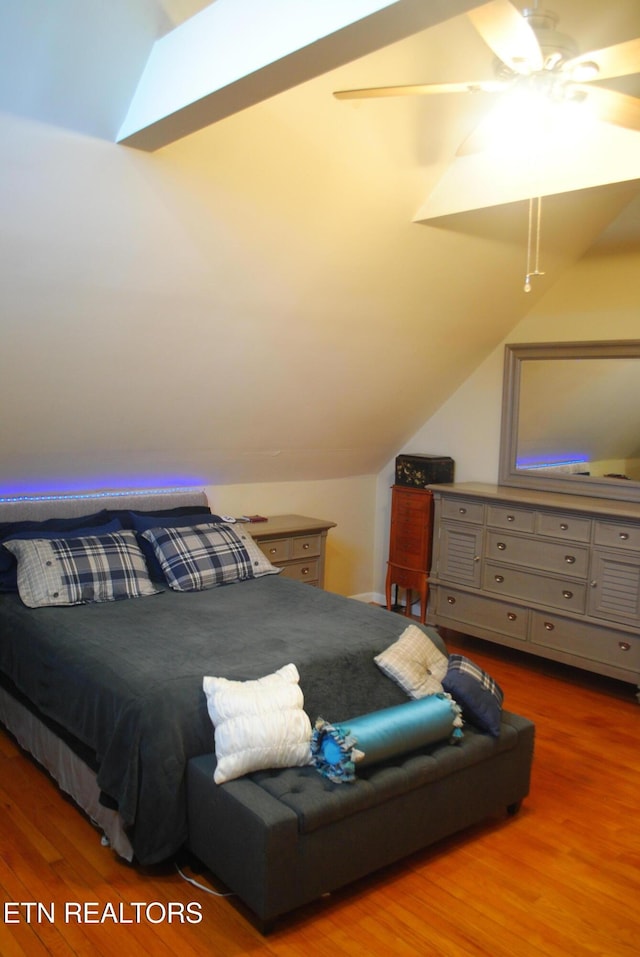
263,297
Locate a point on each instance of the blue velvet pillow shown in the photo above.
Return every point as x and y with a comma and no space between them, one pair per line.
94,524
477,693
143,521
379,735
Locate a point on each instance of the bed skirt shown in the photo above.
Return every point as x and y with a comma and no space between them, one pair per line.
69,772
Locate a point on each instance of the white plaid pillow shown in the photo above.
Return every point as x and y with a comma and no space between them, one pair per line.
76,571
414,662
203,556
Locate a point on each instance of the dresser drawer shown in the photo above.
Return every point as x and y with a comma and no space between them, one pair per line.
515,519
276,549
463,510
302,571
497,616
587,641
557,525
617,535
567,559
541,589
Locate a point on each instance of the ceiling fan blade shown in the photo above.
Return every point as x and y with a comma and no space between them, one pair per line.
420,89
620,60
508,34
611,106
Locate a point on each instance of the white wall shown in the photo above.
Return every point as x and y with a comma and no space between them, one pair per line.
349,502
599,298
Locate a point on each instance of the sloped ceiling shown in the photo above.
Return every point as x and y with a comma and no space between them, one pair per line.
254,301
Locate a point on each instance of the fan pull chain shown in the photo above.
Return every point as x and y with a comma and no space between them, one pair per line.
538,214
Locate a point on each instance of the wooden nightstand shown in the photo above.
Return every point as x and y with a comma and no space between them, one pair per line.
410,544
294,543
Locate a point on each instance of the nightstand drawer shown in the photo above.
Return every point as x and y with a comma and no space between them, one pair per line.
302,571
277,549
305,547
296,544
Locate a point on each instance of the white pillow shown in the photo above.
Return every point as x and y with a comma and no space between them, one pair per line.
415,663
258,724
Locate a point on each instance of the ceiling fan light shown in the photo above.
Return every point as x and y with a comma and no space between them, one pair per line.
573,95
585,71
553,60
521,64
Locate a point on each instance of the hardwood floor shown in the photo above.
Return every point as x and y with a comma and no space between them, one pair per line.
560,879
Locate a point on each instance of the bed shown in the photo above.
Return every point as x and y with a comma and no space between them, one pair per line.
108,695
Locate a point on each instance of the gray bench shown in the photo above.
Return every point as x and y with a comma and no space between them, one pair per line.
280,839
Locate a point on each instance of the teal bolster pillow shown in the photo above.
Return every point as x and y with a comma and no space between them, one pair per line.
336,749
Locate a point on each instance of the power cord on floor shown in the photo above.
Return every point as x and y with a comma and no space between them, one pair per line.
202,887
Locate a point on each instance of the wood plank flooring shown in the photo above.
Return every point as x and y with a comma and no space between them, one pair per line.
560,879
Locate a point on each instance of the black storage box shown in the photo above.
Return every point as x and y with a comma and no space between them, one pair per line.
418,471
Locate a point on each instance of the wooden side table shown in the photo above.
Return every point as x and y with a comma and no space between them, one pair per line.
410,545
295,543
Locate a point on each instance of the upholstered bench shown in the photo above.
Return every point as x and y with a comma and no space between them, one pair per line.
282,838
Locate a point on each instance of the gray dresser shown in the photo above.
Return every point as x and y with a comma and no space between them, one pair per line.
553,574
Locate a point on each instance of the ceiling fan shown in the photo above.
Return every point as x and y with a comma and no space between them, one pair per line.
533,55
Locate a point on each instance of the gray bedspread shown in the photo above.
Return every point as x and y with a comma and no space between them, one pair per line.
125,678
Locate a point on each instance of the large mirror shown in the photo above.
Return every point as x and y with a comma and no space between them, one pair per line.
571,418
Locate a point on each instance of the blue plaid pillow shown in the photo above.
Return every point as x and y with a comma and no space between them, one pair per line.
479,696
99,523
203,556
75,571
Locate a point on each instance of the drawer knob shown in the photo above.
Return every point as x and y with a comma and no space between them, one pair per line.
499,578
564,526
273,551
511,518
624,536
567,594
306,546
549,626
304,571
511,615
570,559
624,645
593,583
451,600
476,558
501,546
462,510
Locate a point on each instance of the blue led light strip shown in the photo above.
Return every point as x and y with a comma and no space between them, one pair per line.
69,496
551,465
